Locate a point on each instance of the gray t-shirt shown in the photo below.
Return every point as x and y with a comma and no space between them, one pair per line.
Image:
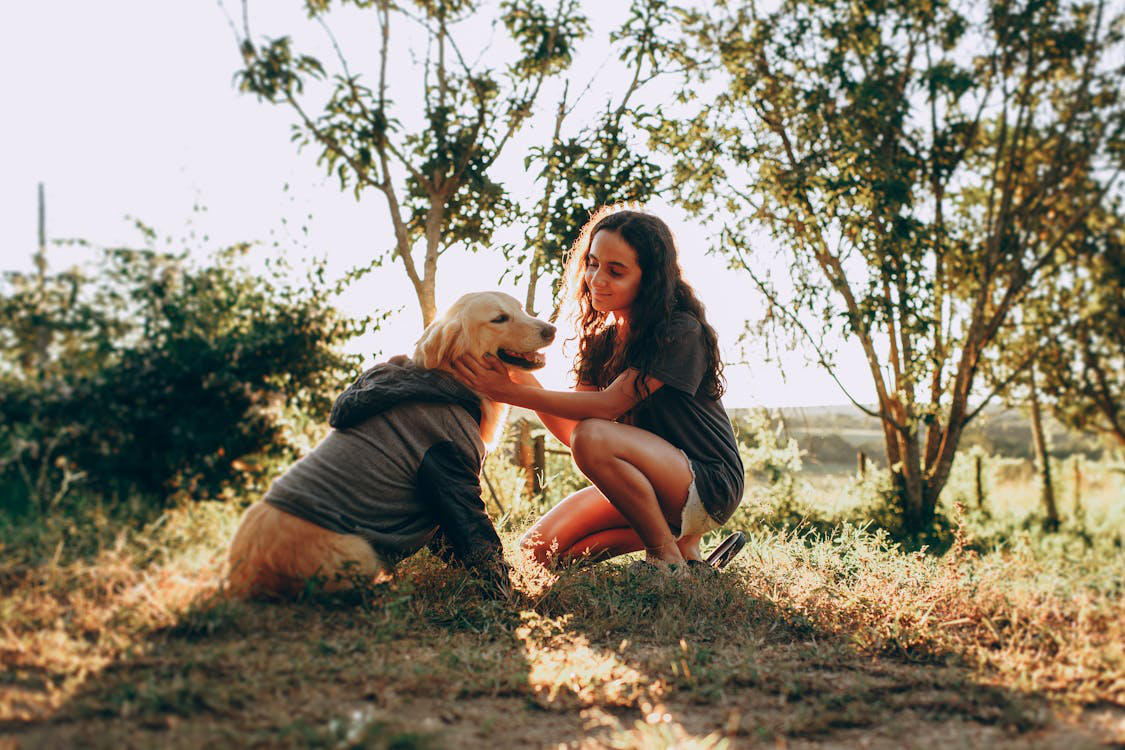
684,414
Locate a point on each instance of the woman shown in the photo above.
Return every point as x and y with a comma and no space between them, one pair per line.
645,422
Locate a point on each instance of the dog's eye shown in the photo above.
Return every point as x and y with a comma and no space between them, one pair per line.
501,318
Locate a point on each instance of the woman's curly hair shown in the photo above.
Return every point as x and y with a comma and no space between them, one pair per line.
663,291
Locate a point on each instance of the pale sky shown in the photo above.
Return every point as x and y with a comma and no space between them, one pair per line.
127,108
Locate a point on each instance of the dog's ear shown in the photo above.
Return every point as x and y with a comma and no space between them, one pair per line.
440,343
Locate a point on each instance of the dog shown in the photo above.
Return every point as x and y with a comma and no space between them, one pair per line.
400,469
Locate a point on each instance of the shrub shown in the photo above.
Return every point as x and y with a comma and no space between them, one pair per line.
152,373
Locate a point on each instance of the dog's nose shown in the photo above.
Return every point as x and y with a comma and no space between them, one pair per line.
548,332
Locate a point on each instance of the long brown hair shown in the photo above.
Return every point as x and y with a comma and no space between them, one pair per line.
663,291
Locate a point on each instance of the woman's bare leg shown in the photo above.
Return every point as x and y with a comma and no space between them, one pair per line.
574,528
602,545
564,534
642,476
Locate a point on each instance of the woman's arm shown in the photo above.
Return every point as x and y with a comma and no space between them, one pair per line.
560,427
491,378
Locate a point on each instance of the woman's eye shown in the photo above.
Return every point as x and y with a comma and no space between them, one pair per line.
500,319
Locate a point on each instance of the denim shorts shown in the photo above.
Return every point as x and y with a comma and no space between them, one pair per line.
694,519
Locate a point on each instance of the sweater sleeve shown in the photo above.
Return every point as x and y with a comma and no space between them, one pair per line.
449,487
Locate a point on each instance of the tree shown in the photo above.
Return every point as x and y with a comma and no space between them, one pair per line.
431,166
1069,336
1080,323
603,161
606,160
922,167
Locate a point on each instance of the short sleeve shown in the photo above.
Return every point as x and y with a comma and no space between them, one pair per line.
682,362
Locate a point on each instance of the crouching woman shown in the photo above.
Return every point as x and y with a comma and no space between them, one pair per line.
645,422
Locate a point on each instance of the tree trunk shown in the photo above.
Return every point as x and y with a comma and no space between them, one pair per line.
1042,457
544,211
904,457
435,223
1078,490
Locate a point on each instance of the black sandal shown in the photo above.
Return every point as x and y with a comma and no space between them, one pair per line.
721,556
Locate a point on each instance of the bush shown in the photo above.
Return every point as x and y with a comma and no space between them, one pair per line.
153,374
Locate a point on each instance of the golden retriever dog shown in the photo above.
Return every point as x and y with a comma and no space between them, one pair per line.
402,462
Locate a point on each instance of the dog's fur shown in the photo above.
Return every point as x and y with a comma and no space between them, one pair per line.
275,553
469,327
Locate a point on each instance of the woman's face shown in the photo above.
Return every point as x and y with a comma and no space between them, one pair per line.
613,276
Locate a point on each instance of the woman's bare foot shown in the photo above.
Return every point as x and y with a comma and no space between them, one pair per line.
689,547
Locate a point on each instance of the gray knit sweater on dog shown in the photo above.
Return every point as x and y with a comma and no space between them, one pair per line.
404,460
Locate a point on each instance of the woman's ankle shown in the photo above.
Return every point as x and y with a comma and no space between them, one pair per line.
669,552
689,548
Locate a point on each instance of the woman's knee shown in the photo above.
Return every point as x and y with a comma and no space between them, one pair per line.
590,441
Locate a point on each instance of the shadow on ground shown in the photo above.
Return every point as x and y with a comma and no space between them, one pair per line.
603,657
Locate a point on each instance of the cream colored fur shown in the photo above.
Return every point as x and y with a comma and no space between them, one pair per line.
469,327
273,552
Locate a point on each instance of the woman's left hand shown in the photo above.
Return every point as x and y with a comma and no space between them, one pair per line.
488,377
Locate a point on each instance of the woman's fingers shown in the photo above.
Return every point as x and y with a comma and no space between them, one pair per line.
487,375
470,368
464,370
468,363
492,362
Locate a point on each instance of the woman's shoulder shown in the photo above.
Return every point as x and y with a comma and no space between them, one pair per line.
683,322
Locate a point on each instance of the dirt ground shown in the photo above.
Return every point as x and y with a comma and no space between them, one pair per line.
491,676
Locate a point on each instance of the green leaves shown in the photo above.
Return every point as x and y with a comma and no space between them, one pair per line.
273,72
547,42
923,166
162,374
430,160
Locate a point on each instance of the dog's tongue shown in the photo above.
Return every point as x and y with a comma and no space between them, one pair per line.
531,358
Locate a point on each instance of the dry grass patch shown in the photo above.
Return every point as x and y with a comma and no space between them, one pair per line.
811,641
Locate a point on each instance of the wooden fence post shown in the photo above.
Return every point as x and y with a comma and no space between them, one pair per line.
979,483
1077,459
539,448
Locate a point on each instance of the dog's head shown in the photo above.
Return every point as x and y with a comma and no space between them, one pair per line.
482,323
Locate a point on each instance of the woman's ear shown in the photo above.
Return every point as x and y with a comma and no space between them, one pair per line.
440,343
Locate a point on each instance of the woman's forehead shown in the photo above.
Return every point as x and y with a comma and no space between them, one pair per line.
610,247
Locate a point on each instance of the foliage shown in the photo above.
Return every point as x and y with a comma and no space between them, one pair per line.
604,161
922,167
432,166
161,374
773,468
1079,329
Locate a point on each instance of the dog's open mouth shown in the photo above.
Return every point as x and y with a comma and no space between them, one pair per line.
524,360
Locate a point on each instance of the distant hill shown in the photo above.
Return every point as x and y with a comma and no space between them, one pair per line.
831,436
827,433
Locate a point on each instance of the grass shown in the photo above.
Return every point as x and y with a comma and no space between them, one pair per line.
116,635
